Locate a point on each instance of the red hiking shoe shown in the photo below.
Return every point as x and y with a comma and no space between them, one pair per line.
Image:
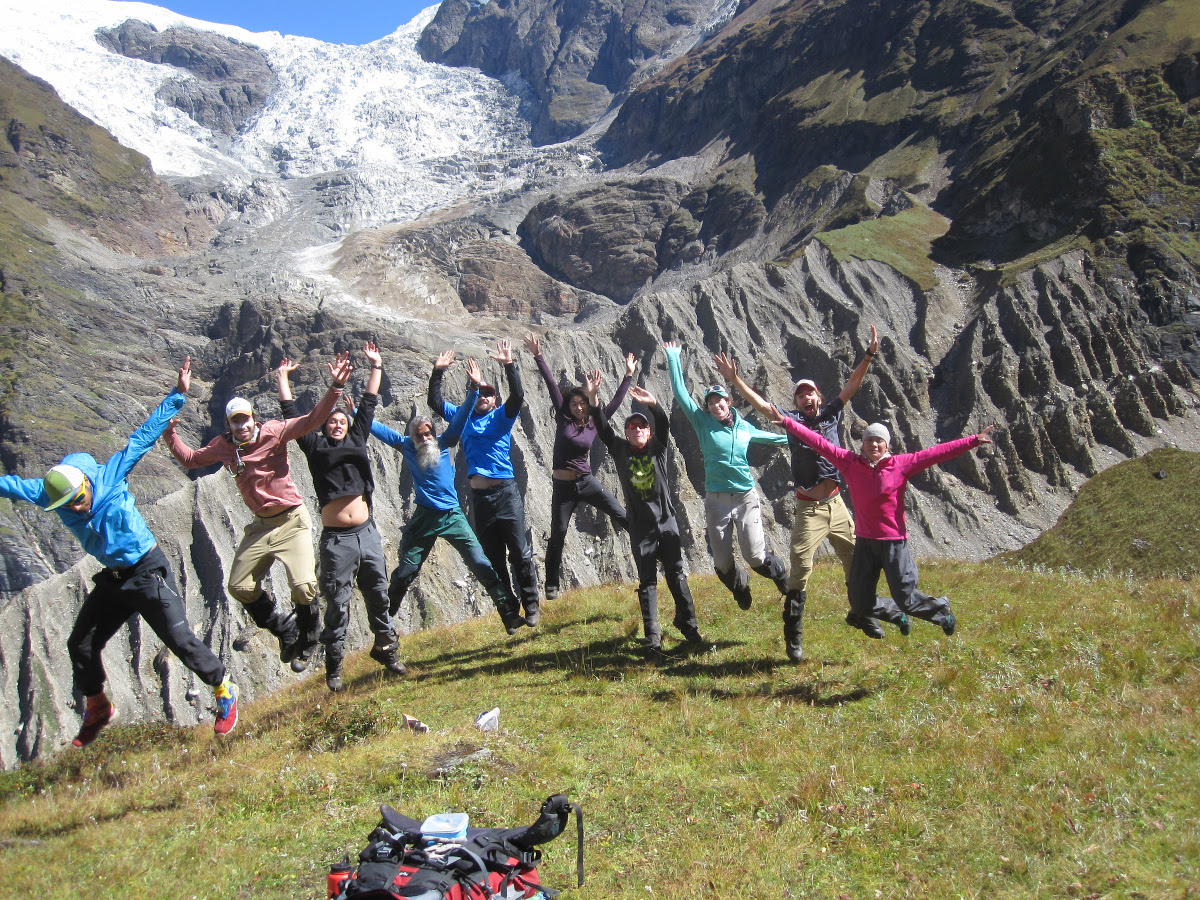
98,713
226,694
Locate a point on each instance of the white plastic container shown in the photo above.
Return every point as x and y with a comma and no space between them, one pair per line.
445,826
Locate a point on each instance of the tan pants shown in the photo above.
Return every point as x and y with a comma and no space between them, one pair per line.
814,523
286,538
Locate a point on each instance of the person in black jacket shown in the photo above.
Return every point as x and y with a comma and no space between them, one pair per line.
351,549
641,460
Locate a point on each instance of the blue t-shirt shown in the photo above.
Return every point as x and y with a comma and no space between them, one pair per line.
434,486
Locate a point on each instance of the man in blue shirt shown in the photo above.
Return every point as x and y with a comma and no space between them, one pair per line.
438,513
95,504
495,500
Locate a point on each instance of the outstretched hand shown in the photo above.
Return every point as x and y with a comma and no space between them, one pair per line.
776,417
340,370
726,365
473,372
287,366
371,352
983,435
533,344
630,365
874,345
593,386
445,360
503,354
642,396
670,345
185,376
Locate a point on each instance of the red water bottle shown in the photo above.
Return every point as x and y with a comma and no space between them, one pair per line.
339,874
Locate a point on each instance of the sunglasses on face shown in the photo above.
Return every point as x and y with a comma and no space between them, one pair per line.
79,498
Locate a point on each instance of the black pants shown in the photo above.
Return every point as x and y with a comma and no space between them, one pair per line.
500,526
669,551
147,588
349,556
563,500
893,559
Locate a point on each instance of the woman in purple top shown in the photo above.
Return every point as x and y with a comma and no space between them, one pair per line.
574,482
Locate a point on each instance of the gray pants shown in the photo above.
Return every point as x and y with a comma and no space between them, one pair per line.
350,555
893,559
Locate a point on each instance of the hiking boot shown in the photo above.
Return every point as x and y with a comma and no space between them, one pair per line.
333,672
652,644
950,624
905,624
533,614
793,624
386,657
743,597
308,631
226,694
242,641
691,634
553,593
511,620
96,715
866,625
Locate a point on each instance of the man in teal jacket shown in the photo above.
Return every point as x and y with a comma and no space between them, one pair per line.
730,497
95,504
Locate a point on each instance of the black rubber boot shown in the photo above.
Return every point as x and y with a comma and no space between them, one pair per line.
511,619
648,600
793,624
267,616
774,569
333,669
738,581
384,653
308,624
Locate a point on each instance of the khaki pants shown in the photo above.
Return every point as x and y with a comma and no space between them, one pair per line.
814,523
286,538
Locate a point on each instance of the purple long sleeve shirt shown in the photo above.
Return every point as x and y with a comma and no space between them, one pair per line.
572,441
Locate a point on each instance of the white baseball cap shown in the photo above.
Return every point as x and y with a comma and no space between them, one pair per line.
238,406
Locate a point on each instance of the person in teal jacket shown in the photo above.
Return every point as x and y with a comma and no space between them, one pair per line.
95,504
731,501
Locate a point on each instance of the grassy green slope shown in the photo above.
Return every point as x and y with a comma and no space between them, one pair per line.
1128,520
1050,748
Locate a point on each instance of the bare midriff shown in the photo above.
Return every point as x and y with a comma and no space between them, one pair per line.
479,482
343,512
567,475
821,491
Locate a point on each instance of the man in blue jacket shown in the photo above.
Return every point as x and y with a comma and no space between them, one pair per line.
438,513
95,504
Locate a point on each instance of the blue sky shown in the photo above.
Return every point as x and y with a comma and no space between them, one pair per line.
336,21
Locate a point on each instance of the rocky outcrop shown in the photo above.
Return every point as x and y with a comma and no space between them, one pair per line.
227,82
577,60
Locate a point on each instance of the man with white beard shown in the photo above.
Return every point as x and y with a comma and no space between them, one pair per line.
438,513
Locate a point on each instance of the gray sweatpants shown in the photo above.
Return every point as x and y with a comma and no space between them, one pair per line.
893,559
350,555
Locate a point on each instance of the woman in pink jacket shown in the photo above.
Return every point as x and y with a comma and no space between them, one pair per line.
877,480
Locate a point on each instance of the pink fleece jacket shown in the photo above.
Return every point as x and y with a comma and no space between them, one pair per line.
265,481
878,491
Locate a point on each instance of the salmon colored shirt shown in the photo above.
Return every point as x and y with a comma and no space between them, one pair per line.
266,481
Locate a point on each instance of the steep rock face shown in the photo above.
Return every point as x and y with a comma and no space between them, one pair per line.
228,82
54,162
577,57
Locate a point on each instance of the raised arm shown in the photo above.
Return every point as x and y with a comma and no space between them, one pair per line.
287,402
534,346
728,368
436,403
516,393
678,387
454,430
389,436
660,422
339,372
375,358
940,453
152,429
31,490
860,371
623,388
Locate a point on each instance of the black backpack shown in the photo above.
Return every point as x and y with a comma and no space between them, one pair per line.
489,864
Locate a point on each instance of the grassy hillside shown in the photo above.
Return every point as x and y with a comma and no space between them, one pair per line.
1050,748
1127,519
